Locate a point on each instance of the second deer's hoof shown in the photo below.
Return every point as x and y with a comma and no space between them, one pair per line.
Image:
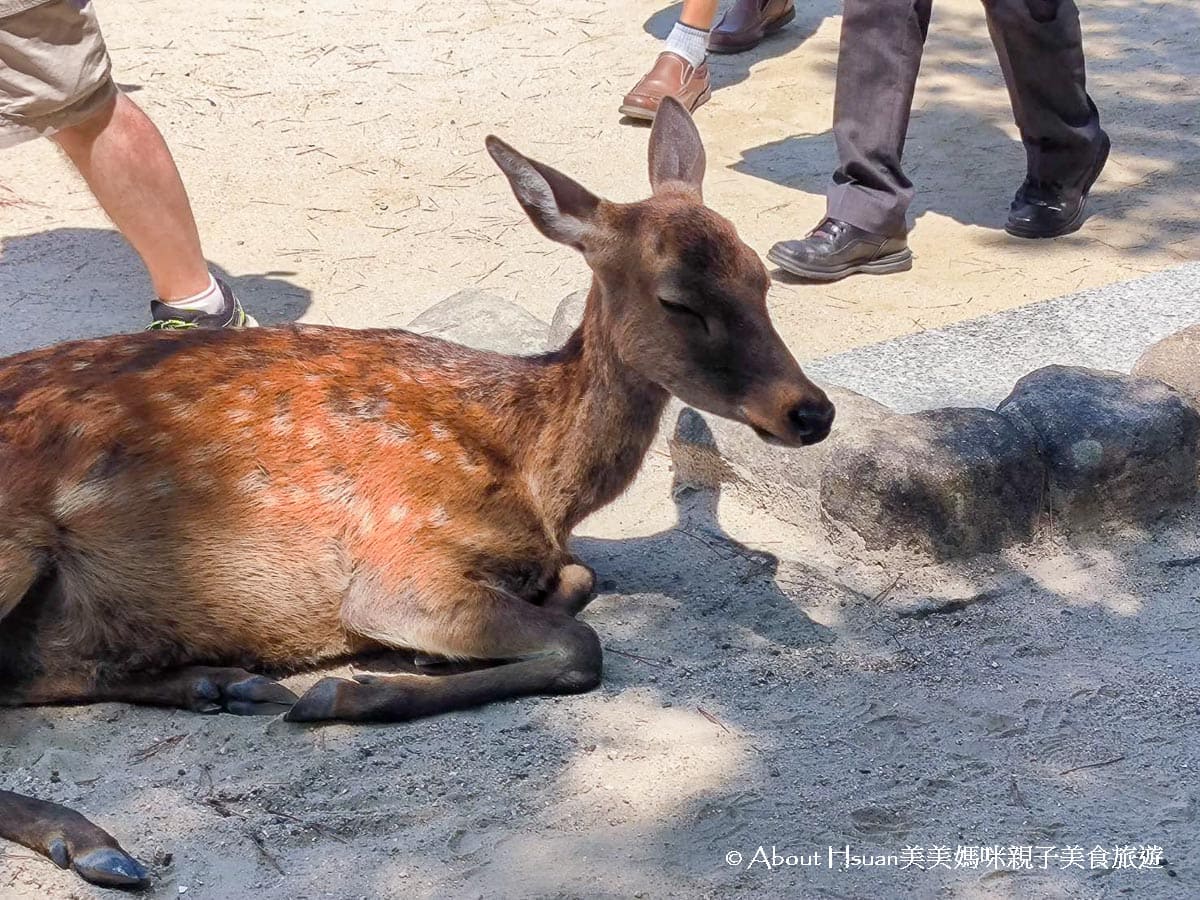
105,866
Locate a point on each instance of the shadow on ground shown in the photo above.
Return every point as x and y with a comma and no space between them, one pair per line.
70,283
749,700
1142,77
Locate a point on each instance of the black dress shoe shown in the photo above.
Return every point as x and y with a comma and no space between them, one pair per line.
835,249
1042,210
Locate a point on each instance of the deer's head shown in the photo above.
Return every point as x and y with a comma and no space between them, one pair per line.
682,300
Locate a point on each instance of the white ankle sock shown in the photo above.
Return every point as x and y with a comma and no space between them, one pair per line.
688,42
208,300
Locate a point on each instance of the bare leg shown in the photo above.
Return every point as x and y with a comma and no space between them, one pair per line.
698,13
547,652
69,840
202,689
125,161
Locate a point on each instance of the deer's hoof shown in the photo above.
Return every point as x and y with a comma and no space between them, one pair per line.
111,867
319,703
237,691
258,696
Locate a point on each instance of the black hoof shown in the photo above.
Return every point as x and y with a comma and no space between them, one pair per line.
258,696
238,692
319,702
110,867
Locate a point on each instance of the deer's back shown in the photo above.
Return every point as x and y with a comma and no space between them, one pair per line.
212,495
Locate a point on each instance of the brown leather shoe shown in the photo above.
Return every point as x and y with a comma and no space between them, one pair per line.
671,76
749,21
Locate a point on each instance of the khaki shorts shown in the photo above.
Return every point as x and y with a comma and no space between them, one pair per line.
54,69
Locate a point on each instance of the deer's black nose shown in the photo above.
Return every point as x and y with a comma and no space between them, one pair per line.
811,420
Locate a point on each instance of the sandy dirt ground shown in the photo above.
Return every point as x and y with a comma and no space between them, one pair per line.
761,689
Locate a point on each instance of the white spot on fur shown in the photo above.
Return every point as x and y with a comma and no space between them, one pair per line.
438,517
395,433
439,431
70,500
336,490
162,486
256,481
398,512
431,455
313,436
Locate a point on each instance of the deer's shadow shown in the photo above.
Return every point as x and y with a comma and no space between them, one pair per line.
697,563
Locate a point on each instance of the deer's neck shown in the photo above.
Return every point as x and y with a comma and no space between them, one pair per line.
598,420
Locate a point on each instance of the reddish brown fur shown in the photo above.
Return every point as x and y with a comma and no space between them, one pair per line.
278,497
313,457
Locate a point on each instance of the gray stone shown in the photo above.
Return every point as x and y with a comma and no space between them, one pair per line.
483,321
709,451
1175,360
947,482
566,319
1115,446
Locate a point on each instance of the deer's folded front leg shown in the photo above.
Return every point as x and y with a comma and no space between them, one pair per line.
573,590
539,651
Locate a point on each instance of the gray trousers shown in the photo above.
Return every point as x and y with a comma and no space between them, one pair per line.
1040,49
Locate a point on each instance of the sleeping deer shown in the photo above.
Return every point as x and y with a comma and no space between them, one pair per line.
178,511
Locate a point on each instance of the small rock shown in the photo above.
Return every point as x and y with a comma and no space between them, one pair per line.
566,319
483,321
1115,446
949,482
1175,360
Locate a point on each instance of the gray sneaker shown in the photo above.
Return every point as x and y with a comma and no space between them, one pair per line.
169,318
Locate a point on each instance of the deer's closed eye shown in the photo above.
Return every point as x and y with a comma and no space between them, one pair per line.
679,309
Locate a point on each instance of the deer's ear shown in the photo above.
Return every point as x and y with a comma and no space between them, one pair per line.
676,152
562,209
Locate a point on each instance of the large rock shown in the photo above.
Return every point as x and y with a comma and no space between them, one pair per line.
483,321
1115,446
947,482
566,319
1175,360
709,451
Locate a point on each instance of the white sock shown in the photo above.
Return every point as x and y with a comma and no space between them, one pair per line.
688,42
209,300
